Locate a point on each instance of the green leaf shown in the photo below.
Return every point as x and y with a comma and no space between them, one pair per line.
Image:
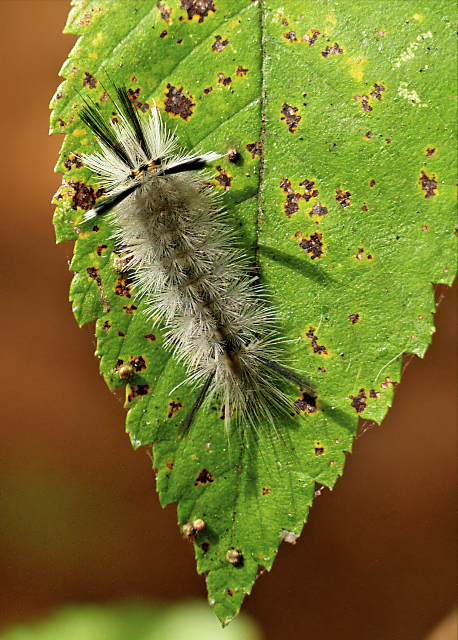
343,115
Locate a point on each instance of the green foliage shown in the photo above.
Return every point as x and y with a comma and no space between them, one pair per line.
343,115
192,621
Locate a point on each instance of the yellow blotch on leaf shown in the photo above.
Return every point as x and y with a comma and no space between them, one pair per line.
93,55
418,17
97,39
330,18
356,67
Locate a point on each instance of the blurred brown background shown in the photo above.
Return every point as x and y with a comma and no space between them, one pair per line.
80,520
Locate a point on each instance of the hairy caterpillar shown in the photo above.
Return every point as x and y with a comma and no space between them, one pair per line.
184,260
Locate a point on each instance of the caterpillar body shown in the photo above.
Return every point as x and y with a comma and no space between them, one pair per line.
183,255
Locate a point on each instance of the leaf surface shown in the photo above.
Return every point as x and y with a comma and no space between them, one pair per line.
343,193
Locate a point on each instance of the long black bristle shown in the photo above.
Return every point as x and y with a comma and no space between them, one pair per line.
130,114
292,376
187,422
111,202
92,117
190,165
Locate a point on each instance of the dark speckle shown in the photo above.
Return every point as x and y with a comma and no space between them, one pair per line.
204,477
291,205
223,178
208,90
291,36
223,80
343,198
306,403
313,245
150,336
139,390
133,97
84,196
368,135
319,450
428,185
197,8
266,491
289,114
219,44
320,349
205,546
377,91
255,148
177,104
173,408
138,363
130,310
331,51
73,161
359,403
374,394
354,318
163,34
241,71
89,80
165,13
318,210
122,287
430,151
309,189
372,183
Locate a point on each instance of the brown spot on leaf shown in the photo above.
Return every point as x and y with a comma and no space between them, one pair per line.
89,80
205,546
169,465
130,310
377,91
93,273
173,408
291,36
289,114
428,185
208,90
331,51
163,34
306,403
229,592
291,205
317,348
150,336
164,11
309,190
388,140
311,39
197,8
223,178
255,148
372,183
364,207
84,196
133,97
359,255
374,394
223,80
219,44
266,491
386,383
359,403
100,249
204,477
319,450
318,210
365,104
73,161
241,71
343,197
138,363
368,135
122,287
121,334
313,245
430,151
139,390
354,318
177,104
106,325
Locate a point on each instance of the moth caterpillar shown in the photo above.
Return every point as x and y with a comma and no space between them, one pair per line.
184,260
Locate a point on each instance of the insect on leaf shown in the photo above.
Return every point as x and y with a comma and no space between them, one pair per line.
341,191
